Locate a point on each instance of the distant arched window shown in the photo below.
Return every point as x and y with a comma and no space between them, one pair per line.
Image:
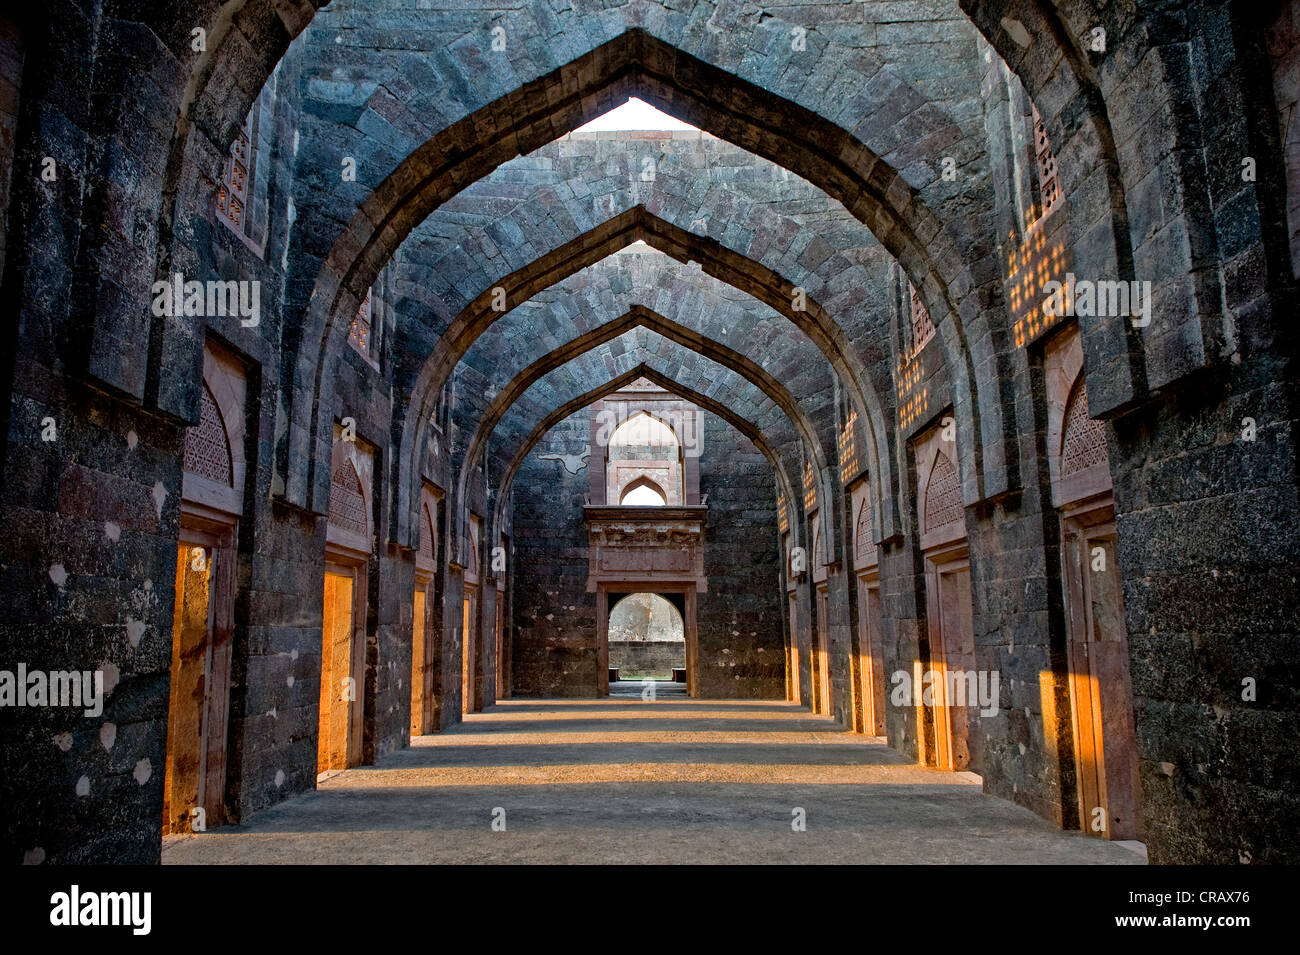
641,431
645,618
242,192
644,493
643,463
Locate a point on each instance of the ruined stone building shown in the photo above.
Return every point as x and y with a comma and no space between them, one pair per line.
933,377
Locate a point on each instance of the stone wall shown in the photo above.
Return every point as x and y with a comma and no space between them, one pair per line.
738,620
12,54
741,651
554,641
91,497
637,659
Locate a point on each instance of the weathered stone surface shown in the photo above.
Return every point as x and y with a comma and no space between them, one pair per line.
852,152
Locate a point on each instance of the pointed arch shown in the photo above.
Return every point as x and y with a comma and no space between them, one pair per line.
942,501
425,556
638,316
213,457
656,428
864,545
206,450
348,500
637,223
1083,439
784,485
644,484
639,63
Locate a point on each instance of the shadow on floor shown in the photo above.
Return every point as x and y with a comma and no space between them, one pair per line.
620,780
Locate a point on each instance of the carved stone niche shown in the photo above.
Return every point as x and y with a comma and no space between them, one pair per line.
645,545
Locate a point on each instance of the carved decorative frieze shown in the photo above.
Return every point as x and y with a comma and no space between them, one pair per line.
644,545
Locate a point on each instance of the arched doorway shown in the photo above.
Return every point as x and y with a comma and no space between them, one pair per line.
212,504
647,637
949,718
1100,688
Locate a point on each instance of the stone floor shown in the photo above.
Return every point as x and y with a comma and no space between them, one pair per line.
621,780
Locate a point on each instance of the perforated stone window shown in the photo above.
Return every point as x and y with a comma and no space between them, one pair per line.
809,488
1083,442
864,546
244,186
943,496
848,444
232,192
359,335
1049,182
426,536
206,451
347,502
472,567
921,326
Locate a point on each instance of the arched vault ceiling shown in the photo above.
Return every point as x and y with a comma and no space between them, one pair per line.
619,232
875,153
644,347
636,336
610,382
532,206
706,188
651,283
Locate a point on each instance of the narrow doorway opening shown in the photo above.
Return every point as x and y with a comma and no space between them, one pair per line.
949,713
1101,694
872,680
339,739
197,712
198,709
647,640
469,616
952,658
1107,797
419,666
423,649
794,691
471,644
821,676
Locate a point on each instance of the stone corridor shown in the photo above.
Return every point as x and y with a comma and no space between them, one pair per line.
389,386
623,781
